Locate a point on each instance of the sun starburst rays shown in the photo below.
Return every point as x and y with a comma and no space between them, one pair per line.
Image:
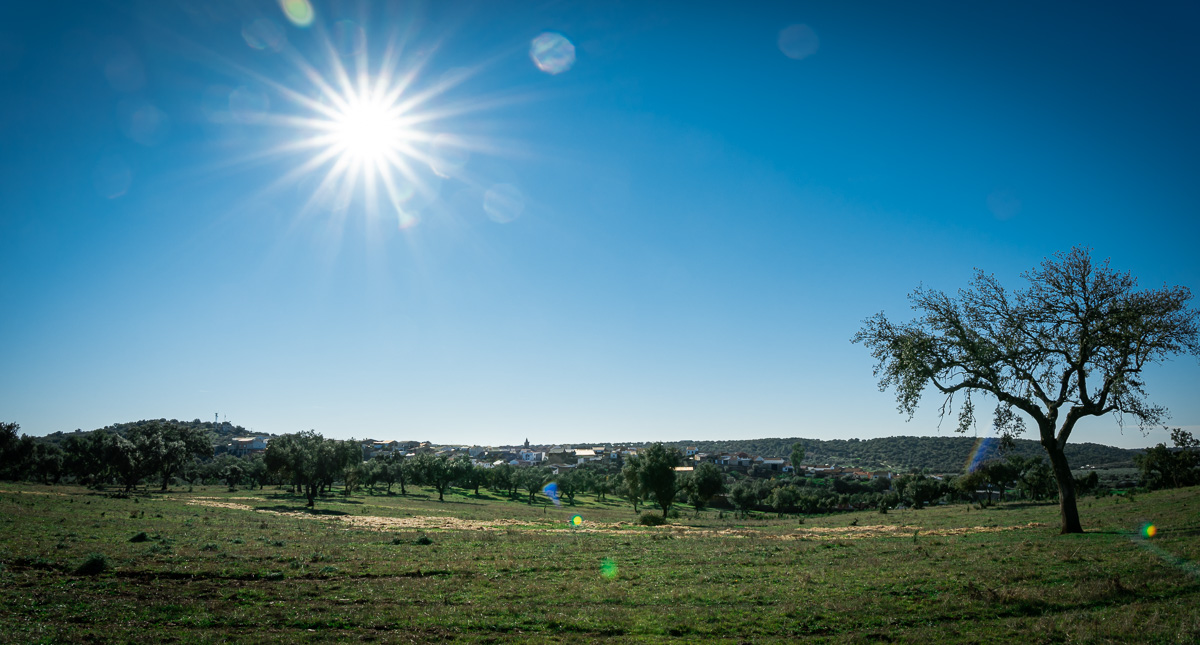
365,132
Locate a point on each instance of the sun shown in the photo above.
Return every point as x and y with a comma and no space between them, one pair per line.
368,131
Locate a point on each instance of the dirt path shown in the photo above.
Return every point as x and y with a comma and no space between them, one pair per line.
380,523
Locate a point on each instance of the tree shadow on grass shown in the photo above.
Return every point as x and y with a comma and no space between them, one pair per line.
1014,506
282,508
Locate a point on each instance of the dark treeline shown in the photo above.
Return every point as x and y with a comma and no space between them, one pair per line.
160,453
943,455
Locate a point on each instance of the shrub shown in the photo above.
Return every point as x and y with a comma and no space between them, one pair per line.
424,540
93,564
651,519
140,537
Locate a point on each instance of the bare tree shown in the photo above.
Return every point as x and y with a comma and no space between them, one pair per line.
1073,344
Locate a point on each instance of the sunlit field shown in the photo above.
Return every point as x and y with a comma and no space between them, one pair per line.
211,565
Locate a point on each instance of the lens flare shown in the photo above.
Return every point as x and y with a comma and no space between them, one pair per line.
576,520
608,568
1149,531
551,490
552,53
263,34
985,449
798,42
299,12
503,203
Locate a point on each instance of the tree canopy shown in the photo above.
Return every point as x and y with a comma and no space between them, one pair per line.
1073,344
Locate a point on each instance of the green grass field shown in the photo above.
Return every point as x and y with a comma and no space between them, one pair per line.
253,566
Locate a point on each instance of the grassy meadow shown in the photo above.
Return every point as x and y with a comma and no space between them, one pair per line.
210,565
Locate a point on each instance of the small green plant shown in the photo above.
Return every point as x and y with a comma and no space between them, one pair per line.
93,564
651,519
237,540
140,537
209,547
424,540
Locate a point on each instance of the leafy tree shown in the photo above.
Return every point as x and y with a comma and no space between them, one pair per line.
569,484
657,474
125,459
232,474
702,484
532,479
917,489
744,496
473,477
391,469
1163,467
1035,480
47,462
166,446
1071,345
784,498
631,474
502,478
311,461
797,457
438,471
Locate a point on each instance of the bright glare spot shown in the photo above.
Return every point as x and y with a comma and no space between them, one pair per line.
300,12
798,42
576,520
608,568
1149,531
368,131
552,53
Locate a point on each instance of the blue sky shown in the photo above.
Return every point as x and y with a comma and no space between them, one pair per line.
687,224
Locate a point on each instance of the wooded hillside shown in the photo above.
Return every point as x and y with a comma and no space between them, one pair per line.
937,454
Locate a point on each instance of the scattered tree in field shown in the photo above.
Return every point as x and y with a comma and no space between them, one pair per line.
165,446
310,461
438,471
744,496
473,477
656,473
532,479
1071,345
631,474
569,484
503,479
1163,467
704,483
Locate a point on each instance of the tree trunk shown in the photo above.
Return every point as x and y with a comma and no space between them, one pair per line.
1067,509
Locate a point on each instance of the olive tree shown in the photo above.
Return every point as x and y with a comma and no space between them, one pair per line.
656,473
1070,345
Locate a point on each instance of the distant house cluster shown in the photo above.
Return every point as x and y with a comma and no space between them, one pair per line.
561,457
246,446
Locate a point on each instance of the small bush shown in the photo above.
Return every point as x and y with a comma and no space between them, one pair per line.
209,547
140,537
651,519
424,540
93,564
